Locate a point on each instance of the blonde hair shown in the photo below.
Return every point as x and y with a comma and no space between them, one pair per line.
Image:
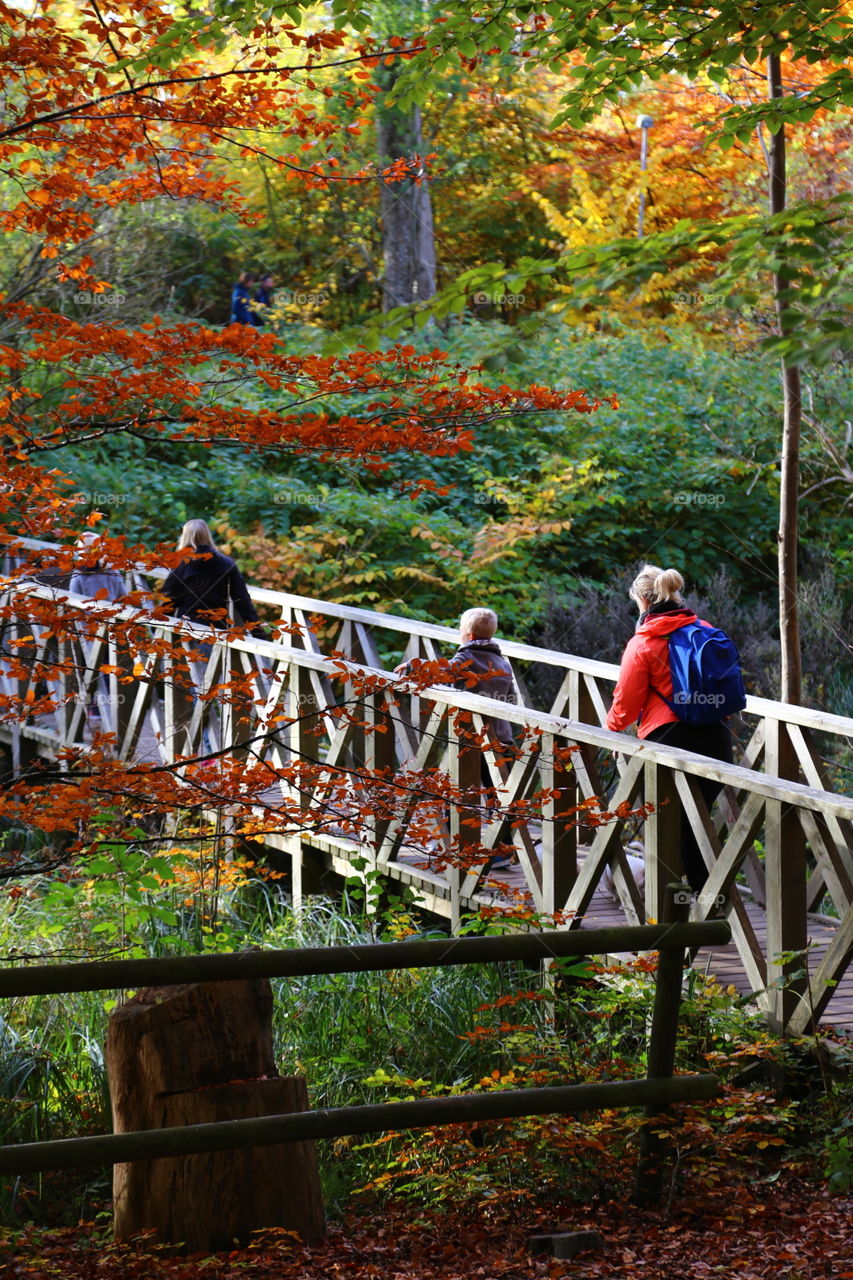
91,543
656,585
195,534
479,624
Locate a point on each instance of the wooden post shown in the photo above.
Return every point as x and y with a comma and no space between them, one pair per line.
25,754
785,867
559,827
465,817
348,645
662,837
662,1040
177,698
301,733
293,844
380,758
300,751
199,1053
581,707
62,688
121,689
236,711
20,638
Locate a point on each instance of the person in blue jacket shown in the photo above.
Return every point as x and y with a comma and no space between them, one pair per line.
90,577
241,299
263,300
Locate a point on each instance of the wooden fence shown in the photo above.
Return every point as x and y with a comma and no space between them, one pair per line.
780,835
654,1092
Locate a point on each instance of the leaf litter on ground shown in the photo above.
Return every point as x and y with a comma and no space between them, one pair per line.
790,1231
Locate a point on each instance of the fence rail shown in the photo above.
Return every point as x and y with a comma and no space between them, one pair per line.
415,953
780,835
654,1092
339,1122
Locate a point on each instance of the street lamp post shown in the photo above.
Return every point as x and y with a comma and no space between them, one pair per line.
644,123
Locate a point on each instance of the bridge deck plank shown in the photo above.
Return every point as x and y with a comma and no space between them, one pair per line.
604,911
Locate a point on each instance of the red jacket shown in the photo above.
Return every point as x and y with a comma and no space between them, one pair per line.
644,669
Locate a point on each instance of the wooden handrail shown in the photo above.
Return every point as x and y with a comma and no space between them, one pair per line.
733,775
369,957
269,1130
806,717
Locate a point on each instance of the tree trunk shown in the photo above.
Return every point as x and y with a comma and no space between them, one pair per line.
408,239
195,1054
789,623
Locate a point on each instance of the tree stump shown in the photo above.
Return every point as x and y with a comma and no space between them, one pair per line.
195,1054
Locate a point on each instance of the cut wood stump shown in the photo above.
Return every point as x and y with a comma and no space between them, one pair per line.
195,1054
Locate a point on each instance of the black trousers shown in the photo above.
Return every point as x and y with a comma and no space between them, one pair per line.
713,740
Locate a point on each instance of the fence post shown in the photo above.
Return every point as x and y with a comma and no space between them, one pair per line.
379,759
20,641
235,715
120,682
662,1040
193,1054
177,699
559,826
662,837
300,752
785,870
465,813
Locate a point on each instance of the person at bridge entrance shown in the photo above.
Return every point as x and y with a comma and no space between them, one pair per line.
479,656
644,692
91,577
202,589
96,580
478,666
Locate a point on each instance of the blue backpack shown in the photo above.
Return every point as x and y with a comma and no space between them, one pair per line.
707,684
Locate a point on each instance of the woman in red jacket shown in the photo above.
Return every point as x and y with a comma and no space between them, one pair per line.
645,684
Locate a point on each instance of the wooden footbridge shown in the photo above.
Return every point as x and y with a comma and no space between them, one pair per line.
778,845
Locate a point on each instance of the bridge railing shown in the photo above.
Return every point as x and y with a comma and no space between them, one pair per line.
778,834
774,737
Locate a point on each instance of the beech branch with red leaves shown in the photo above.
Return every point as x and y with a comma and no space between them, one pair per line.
93,123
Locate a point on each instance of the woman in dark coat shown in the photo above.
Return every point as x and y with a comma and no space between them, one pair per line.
201,589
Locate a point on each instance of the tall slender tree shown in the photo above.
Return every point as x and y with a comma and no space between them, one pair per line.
789,622
408,238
